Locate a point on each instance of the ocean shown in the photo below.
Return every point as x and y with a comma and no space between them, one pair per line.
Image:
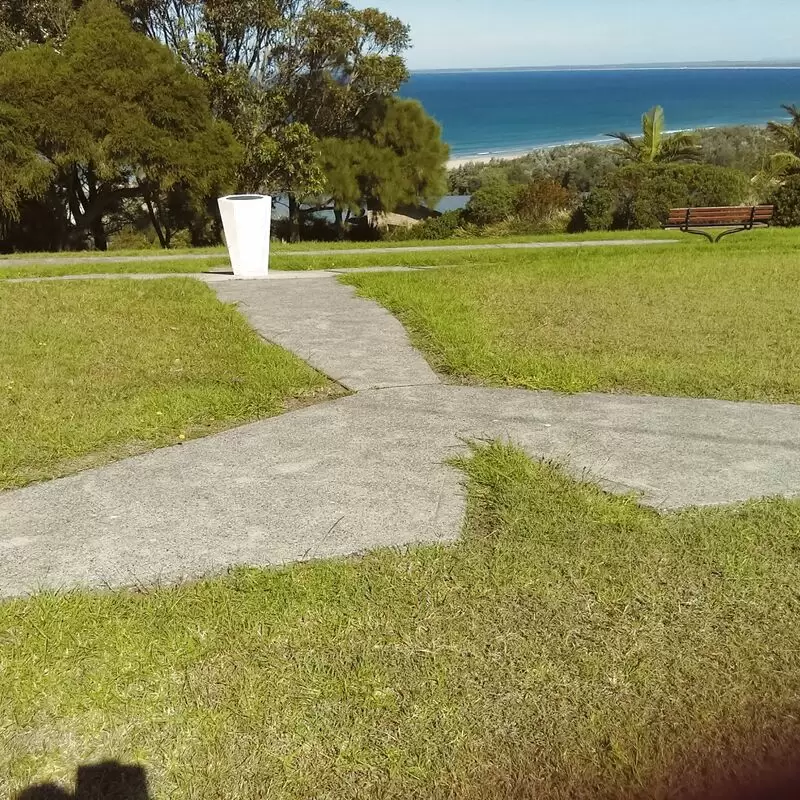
501,112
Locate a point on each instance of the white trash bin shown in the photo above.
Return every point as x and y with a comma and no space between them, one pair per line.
246,219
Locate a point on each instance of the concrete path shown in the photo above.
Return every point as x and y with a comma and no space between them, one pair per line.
356,342
112,259
367,470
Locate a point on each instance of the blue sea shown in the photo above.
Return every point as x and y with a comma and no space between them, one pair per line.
502,112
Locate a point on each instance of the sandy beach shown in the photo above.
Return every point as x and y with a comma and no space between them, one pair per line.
485,158
510,155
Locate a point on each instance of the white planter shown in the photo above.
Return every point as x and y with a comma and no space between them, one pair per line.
246,219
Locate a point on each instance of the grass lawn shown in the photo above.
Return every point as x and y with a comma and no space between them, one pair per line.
97,265
703,321
306,246
110,254
572,645
290,257
95,370
396,256
538,237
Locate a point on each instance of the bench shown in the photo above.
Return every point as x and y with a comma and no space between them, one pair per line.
735,218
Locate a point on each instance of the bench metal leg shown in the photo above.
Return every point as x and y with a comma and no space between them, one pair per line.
722,235
699,233
733,230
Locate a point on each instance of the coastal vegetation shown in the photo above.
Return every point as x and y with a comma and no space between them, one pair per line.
640,196
632,186
120,124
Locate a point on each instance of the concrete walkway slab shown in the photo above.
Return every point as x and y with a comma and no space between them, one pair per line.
368,470
355,341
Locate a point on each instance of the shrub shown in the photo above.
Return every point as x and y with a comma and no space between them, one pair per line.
640,196
130,237
543,206
449,225
492,203
786,199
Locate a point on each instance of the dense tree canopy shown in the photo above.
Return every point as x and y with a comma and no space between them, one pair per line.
397,159
110,115
307,86
285,73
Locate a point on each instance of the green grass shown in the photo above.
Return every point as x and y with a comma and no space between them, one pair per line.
396,256
478,240
99,266
278,261
282,258
95,370
306,246
110,254
573,645
702,321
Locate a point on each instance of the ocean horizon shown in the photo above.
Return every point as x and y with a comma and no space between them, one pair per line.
502,112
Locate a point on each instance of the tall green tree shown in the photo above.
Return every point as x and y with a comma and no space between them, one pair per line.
397,159
110,115
285,74
655,145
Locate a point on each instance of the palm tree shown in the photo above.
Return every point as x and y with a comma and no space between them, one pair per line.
655,146
786,161
787,135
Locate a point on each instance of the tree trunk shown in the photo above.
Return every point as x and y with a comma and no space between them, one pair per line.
99,234
294,219
97,228
338,216
151,212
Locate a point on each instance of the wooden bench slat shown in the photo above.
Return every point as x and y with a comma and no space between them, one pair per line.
734,218
730,218
717,215
723,208
735,212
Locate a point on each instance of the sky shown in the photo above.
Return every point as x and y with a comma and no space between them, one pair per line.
460,34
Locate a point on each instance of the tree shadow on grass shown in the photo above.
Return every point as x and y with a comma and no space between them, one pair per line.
107,781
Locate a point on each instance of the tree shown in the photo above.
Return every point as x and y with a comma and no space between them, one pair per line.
786,161
283,72
22,172
287,75
787,135
492,203
24,22
112,115
655,146
398,159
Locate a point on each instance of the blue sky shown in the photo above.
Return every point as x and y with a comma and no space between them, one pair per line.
507,33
